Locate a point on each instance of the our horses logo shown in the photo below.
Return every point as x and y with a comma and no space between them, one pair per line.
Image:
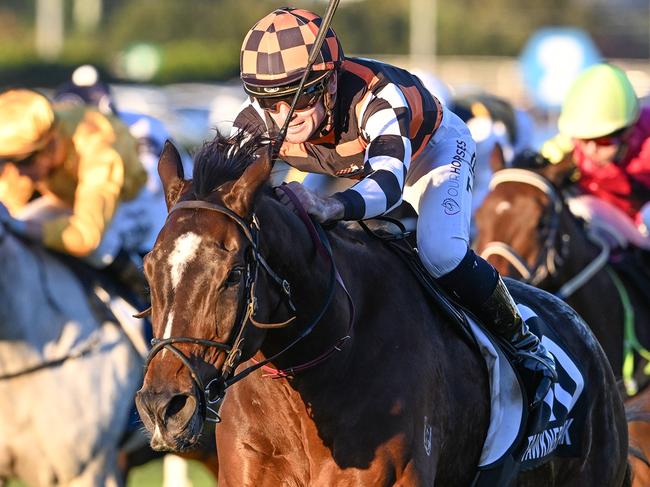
451,206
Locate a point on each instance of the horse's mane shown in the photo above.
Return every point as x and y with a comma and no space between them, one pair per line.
224,159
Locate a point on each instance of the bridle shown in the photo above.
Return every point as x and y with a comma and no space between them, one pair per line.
212,393
550,259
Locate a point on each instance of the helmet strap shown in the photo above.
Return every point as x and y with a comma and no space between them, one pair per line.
623,146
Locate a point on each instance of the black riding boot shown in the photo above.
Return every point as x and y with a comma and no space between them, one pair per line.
478,286
500,314
128,274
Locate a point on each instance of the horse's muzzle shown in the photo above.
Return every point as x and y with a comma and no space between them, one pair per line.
173,418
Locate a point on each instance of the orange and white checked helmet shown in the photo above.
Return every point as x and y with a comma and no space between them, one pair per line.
275,53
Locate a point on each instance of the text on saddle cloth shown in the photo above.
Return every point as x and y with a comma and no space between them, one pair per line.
518,439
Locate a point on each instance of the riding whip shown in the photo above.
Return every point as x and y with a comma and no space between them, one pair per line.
315,49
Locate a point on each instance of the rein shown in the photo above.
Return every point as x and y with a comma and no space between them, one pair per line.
248,303
548,259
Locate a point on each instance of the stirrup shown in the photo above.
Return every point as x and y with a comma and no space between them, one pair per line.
541,377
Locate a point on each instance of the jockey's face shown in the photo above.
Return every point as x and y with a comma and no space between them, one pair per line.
40,165
601,150
303,122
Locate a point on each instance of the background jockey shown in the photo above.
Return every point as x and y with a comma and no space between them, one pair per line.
94,202
376,127
606,135
86,88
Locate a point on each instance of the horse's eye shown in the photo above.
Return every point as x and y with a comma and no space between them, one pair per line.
234,277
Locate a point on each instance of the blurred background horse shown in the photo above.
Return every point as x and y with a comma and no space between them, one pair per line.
67,379
637,412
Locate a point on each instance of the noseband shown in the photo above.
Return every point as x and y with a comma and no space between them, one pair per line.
245,314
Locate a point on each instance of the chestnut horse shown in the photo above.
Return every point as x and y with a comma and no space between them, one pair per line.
526,230
372,385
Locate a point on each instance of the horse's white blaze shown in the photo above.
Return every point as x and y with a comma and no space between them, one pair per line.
502,207
168,326
184,251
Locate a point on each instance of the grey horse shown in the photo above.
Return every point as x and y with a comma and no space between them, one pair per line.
67,380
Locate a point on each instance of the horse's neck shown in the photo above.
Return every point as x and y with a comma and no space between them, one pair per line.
581,251
371,275
291,254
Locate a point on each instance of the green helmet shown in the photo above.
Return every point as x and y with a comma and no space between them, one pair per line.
600,101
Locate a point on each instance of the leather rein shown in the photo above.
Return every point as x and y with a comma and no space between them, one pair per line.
213,392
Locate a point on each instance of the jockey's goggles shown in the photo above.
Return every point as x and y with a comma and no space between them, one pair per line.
615,138
28,159
307,99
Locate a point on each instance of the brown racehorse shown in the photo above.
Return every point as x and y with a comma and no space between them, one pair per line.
384,391
525,229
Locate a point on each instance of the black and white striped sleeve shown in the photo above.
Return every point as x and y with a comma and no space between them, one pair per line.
385,122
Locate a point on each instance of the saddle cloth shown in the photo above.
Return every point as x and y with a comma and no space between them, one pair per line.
518,439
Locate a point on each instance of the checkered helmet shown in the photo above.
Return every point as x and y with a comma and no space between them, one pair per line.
275,53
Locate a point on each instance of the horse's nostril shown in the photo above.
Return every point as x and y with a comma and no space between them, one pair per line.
176,405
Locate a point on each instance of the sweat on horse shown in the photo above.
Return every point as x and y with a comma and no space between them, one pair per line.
373,384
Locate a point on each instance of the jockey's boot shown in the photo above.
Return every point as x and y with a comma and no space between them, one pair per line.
500,314
128,274
478,286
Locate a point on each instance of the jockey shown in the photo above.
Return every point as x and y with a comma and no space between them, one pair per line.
376,126
84,165
85,88
605,133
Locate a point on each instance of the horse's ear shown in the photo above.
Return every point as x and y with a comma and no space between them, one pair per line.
497,161
170,170
242,195
560,174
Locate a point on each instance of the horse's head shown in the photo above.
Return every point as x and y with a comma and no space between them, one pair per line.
518,222
207,279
